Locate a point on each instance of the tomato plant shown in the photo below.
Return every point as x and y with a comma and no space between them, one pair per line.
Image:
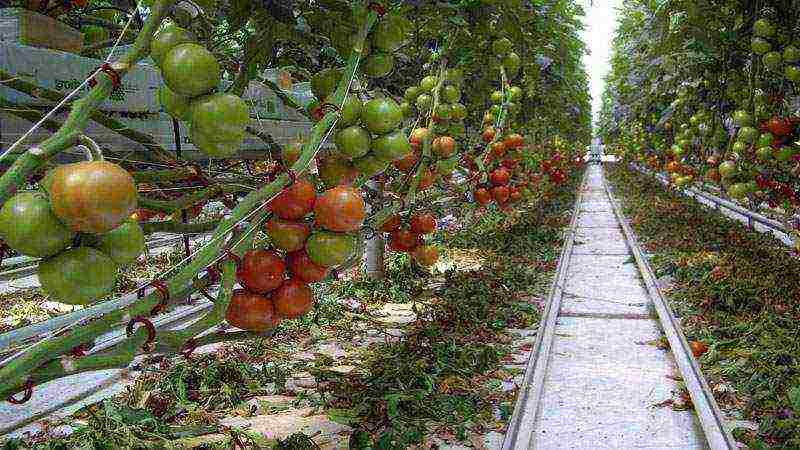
404,118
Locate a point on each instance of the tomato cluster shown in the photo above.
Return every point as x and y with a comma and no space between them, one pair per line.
275,281
78,222
407,236
217,120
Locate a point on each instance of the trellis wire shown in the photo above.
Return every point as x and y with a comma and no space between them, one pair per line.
69,96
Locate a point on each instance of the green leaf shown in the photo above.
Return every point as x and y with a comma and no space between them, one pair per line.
794,398
343,416
458,21
393,406
360,440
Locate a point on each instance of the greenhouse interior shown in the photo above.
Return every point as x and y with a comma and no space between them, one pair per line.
400,224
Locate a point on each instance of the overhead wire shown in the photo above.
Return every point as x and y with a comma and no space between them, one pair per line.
69,96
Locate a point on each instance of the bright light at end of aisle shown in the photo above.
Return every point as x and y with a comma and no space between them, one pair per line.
600,23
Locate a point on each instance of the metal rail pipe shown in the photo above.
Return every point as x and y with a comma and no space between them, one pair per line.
712,420
751,215
520,432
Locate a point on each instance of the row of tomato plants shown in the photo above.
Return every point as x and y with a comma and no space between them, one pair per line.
441,381
726,113
84,219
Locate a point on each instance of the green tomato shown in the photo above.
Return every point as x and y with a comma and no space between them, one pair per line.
739,147
763,28
760,46
747,134
381,115
502,46
764,153
792,73
738,190
512,63
324,82
378,65
388,34
392,146
443,111
175,105
335,170
412,93
727,169
791,54
345,44
497,97
424,102
457,129
765,140
428,83
123,244
370,165
742,118
190,70
454,76
29,226
219,123
407,109
451,94
166,39
353,141
93,34
785,153
772,60
350,113
78,276
458,111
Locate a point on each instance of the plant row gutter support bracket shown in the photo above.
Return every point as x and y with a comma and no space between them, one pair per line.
176,132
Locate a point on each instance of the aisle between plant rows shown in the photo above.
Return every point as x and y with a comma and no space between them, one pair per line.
598,379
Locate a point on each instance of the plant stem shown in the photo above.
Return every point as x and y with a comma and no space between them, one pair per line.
171,226
175,340
188,200
153,148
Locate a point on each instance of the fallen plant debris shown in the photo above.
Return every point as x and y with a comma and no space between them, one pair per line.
444,377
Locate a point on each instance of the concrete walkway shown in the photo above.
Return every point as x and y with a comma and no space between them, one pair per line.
607,385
